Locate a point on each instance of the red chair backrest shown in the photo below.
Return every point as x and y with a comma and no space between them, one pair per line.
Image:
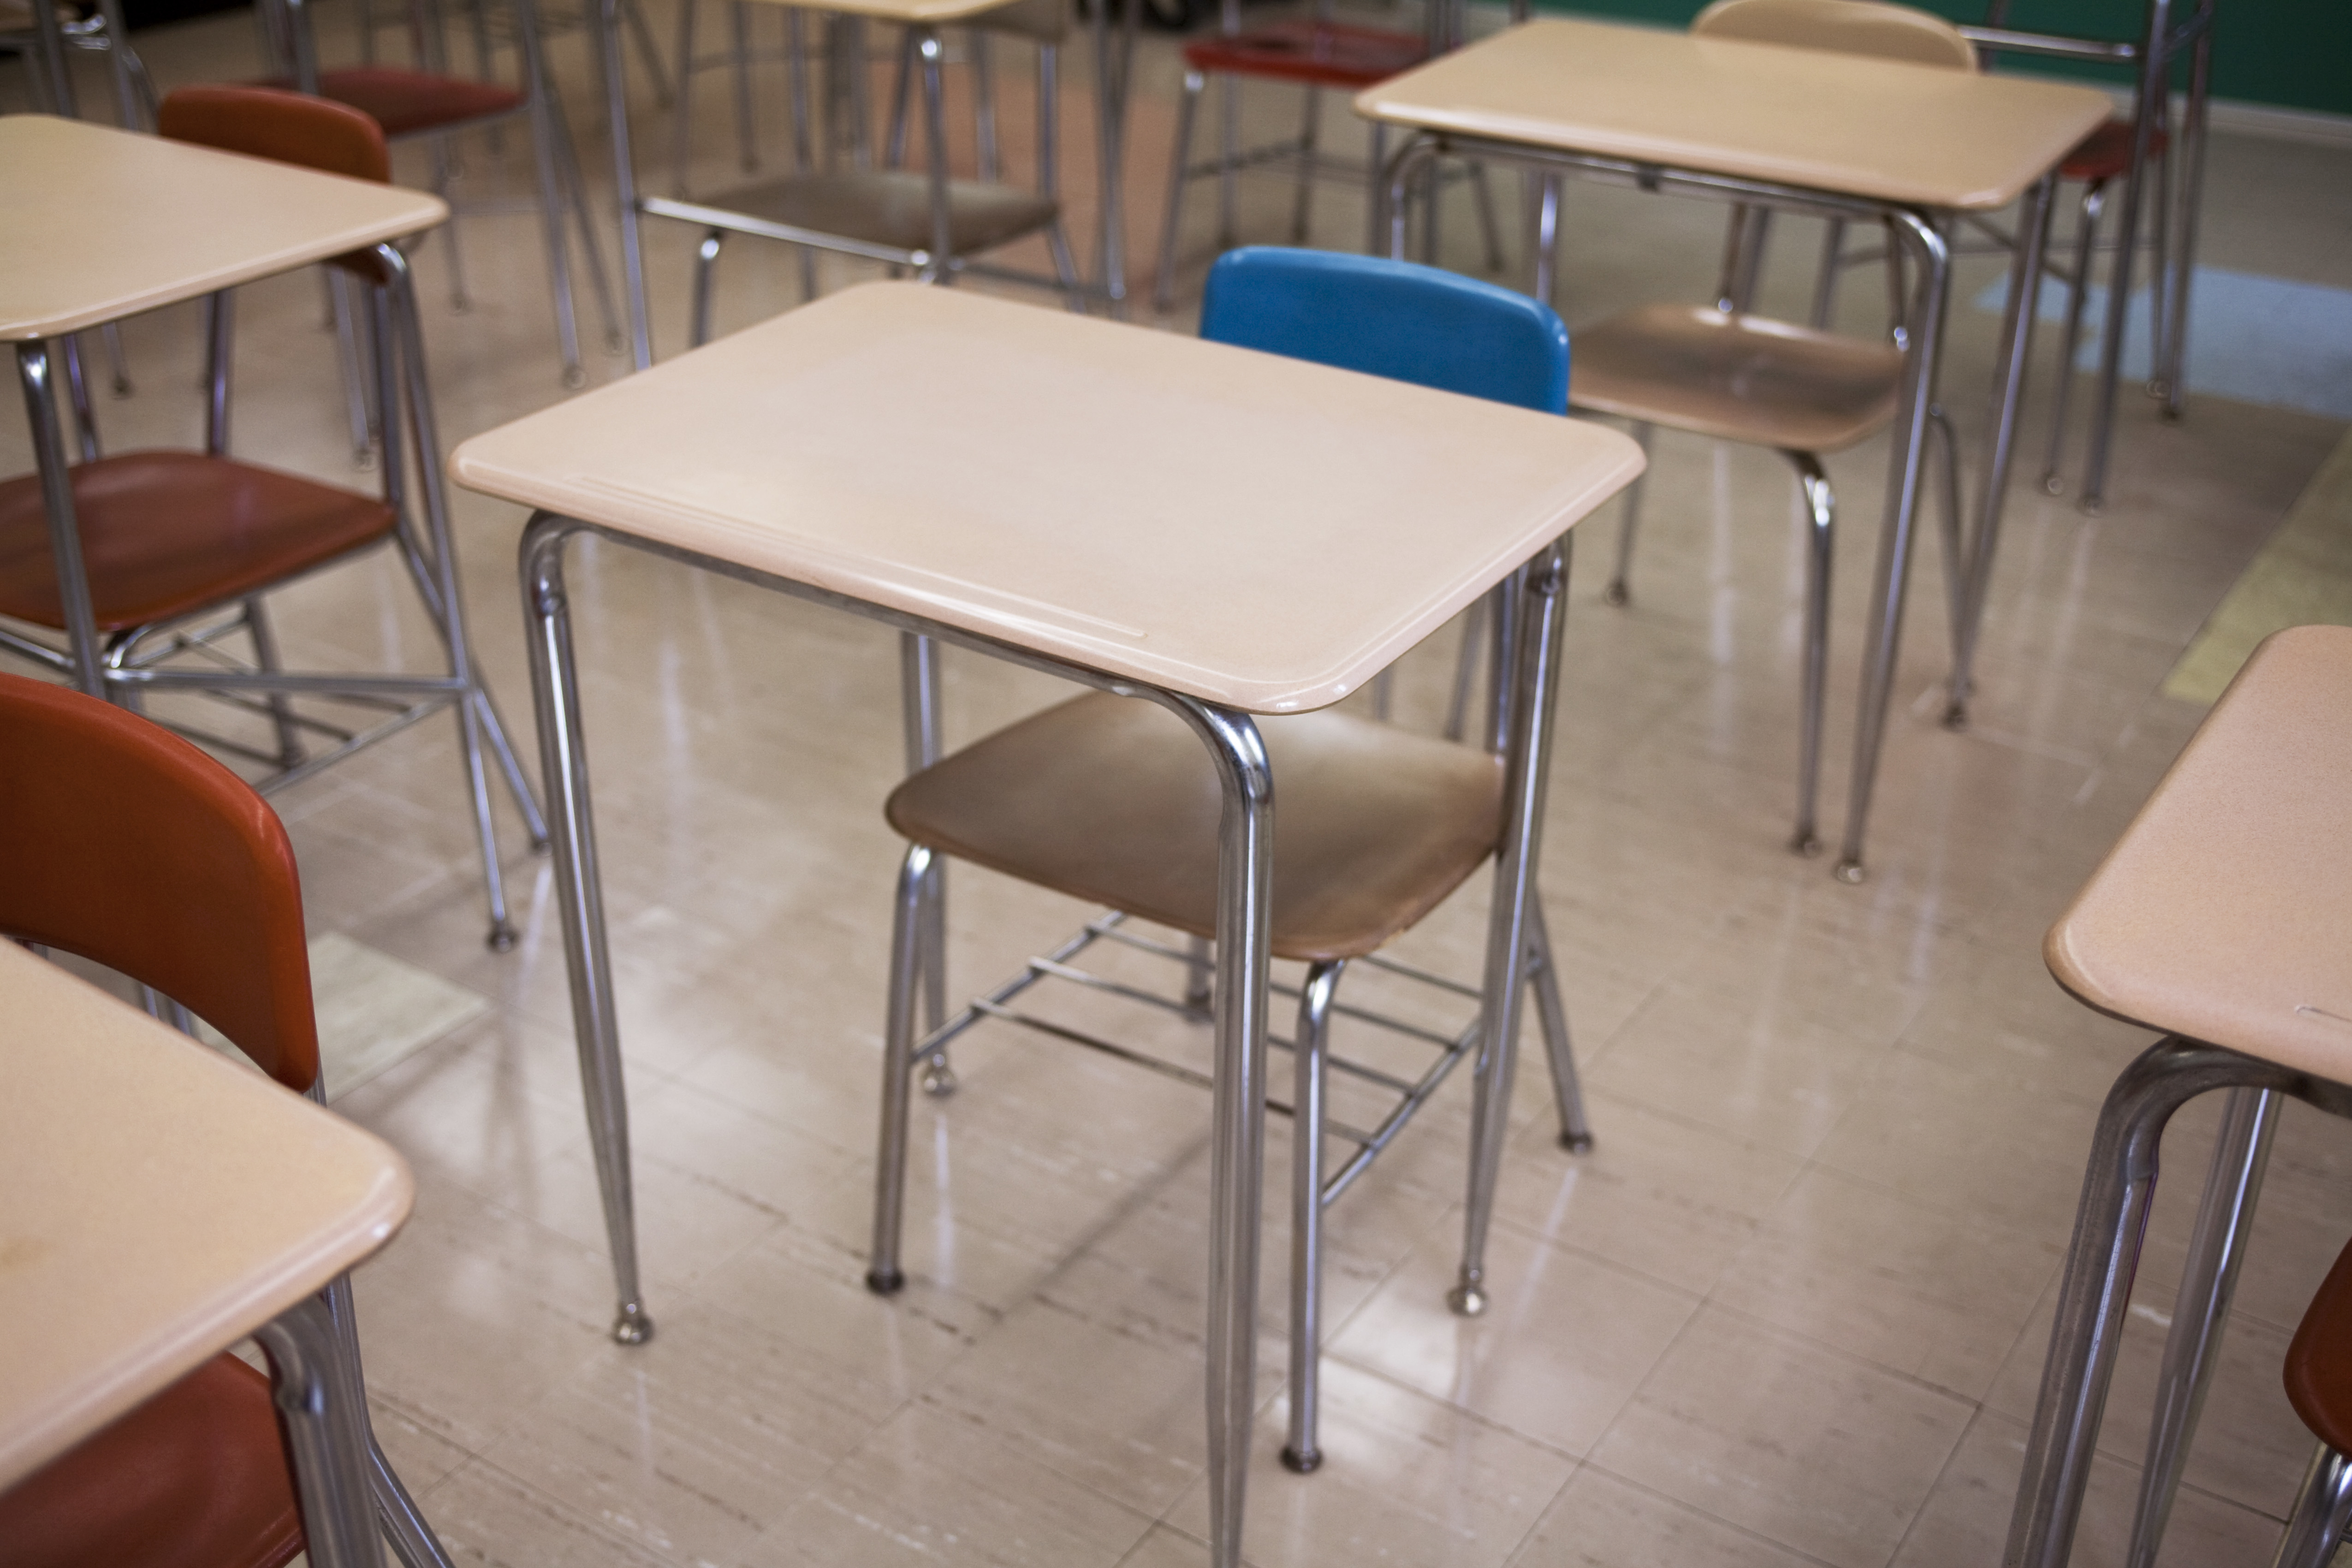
288,127
124,845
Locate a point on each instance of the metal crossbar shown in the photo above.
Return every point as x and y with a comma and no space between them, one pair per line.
1411,1094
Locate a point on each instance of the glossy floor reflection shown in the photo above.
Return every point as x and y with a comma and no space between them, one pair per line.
1789,1311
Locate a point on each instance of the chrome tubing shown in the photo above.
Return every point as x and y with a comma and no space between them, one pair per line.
1310,1066
2208,1282
2147,110
2095,1288
1542,588
318,1413
580,900
37,375
2323,1508
2008,394
883,1275
1820,523
624,177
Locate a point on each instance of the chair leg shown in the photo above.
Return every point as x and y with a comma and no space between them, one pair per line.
1375,242
1229,153
706,261
1309,137
1947,533
2070,340
590,252
804,141
1620,590
641,32
402,1523
1490,228
1547,238
1311,1059
1049,175
1465,667
1200,978
460,301
2208,1282
281,710
551,213
1163,287
991,155
2321,1511
681,128
883,1275
1551,1012
118,366
1820,520
746,145
356,379
902,87
1825,286
78,393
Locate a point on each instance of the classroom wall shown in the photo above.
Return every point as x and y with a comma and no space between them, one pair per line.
2290,54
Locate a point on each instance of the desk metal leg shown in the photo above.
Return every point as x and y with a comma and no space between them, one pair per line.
36,374
318,1410
1237,1170
2152,88
1885,637
2095,1289
2216,1252
1512,925
580,900
2008,393
2187,156
54,77
624,177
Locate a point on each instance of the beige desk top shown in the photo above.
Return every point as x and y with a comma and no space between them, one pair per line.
100,223
1250,529
1880,129
161,1201
2224,912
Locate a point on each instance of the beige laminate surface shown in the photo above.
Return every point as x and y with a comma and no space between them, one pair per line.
1244,528
2224,912
1885,130
98,223
162,1202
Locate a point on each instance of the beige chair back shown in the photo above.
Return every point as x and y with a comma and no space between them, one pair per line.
1842,26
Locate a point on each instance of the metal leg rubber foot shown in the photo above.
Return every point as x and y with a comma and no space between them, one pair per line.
1577,1143
631,1327
885,1282
1848,871
1617,593
1467,1301
574,377
2094,506
541,845
1956,717
1805,842
1305,1464
2170,415
501,938
939,1081
2053,485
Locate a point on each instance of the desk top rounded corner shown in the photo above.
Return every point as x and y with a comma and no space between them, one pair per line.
2223,913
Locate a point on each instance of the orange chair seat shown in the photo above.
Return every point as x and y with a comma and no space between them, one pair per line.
195,1478
1319,54
2105,152
406,102
165,534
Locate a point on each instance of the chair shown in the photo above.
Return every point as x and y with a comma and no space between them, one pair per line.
1720,372
2218,918
179,547
408,103
929,220
2319,1387
1114,802
1316,53
126,846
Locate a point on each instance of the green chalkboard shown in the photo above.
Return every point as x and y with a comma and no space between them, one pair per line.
2292,54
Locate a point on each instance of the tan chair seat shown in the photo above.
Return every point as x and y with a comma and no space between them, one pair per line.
888,206
165,534
1115,801
1737,378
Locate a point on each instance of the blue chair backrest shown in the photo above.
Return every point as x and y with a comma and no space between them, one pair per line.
1390,317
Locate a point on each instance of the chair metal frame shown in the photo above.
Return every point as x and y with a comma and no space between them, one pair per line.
125,665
